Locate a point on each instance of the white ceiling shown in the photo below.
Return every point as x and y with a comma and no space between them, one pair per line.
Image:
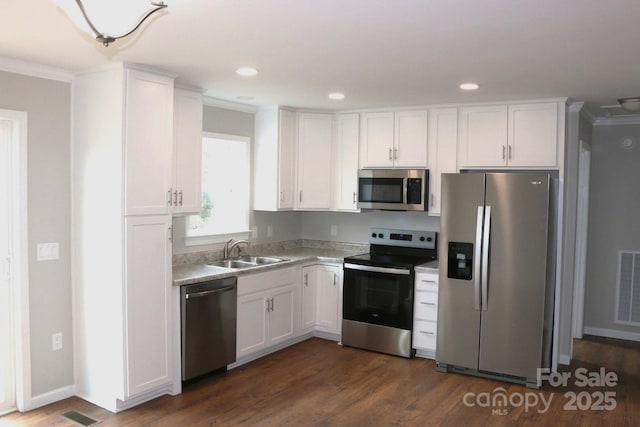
380,53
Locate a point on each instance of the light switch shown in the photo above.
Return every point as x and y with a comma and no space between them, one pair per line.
48,251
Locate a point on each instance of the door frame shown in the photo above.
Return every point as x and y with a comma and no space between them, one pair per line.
19,247
582,222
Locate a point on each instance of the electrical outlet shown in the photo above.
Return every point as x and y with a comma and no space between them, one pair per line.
48,251
269,231
56,341
254,232
334,230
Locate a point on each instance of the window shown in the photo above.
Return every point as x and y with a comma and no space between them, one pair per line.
225,190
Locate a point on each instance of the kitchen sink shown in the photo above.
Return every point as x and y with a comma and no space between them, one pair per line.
245,262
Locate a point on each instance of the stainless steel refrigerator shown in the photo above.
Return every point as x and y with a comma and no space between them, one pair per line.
497,274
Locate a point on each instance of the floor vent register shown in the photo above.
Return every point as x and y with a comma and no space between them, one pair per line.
80,419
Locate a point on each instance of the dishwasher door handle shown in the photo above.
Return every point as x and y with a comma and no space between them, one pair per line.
205,293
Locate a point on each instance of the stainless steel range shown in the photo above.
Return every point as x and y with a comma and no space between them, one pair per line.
377,309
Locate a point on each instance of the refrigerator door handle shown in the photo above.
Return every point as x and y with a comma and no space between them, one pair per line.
477,260
485,257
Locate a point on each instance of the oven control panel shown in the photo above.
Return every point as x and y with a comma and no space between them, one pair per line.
407,238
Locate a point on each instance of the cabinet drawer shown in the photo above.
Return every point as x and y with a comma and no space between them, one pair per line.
426,306
424,335
426,282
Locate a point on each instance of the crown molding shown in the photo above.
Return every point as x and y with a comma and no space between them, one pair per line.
33,69
229,105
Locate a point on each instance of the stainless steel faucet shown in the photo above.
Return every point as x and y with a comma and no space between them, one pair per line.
230,245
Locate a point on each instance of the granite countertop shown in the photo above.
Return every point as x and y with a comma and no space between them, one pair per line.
193,273
428,266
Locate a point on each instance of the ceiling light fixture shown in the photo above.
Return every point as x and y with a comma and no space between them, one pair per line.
246,71
336,96
469,86
109,15
631,104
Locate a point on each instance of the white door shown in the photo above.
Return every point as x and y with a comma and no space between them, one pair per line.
281,318
314,161
252,323
309,286
328,298
410,148
7,388
346,140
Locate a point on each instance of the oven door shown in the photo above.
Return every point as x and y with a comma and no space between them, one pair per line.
378,295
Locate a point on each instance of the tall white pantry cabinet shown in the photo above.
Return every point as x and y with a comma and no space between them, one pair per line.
121,196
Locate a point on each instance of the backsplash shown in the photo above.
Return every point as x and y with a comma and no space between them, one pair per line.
268,249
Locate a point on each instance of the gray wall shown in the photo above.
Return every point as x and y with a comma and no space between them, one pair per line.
47,104
614,220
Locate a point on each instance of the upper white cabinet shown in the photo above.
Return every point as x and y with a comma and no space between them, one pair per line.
273,163
443,139
394,139
314,182
148,119
345,140
517,135
187,152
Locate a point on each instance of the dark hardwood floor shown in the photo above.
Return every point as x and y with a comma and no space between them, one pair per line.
318,383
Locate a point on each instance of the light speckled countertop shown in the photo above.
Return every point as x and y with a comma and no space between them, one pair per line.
428,266
194,273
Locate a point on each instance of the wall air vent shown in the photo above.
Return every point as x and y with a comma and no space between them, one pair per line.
628,288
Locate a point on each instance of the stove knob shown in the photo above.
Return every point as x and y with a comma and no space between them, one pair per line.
422,238
380,235
374,235
429,239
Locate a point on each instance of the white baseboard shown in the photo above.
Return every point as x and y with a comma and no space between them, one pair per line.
564,359
612,333
51,397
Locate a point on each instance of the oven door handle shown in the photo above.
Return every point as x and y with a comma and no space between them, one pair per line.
388,270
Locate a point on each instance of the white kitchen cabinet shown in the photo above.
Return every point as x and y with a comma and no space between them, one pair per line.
425,313
314,166
122,259
329,298
515,136
274,159
394,139
267,310
309,297
148,120
443,140
147,303
186,190
533,135
483,136
345,148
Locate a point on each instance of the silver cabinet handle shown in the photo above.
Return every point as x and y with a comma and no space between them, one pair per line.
509,151
272,304
427,332
428,303
306,280
390,153
180,198
433,200
485,257
300,197
476,260
175,198
268,307
503,152
335,279
354,197
170,233
395,154
169,197
428,281
281,196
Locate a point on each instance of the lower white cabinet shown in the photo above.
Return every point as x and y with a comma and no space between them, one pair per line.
322,298
267,310
425,314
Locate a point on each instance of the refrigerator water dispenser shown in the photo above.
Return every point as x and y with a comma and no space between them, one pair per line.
460,261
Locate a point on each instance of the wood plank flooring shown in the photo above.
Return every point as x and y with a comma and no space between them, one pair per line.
318,383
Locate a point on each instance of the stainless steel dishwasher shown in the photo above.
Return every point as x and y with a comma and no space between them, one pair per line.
208,311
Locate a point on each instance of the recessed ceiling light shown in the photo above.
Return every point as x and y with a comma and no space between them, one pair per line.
246,71
469,86
336,96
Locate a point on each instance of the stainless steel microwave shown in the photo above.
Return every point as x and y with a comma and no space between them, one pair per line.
393,189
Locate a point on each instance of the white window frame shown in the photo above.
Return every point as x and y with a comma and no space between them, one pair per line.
223,238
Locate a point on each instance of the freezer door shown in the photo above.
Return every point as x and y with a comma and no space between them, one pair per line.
458,292
513,304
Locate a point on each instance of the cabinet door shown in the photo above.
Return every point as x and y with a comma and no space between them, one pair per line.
443,139
252,323
346,140
148,143
410,149
286,159
281,318
314,161
147,303
309,290
376,145
483,136
329,310
187,152
533,135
